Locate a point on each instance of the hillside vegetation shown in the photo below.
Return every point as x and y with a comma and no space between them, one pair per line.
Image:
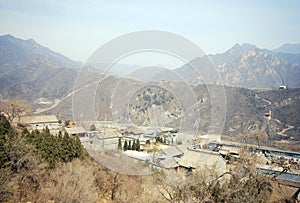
245,108
27,173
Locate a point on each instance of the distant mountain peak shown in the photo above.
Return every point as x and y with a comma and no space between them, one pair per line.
11,37
234,52
30,70
237,48
249,66
289,48
31,40
7,37
237,45
18,52
248,46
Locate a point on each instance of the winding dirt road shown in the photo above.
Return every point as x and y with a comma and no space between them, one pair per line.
282,132
38,111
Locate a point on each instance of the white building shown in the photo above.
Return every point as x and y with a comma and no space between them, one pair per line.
40,122
282,87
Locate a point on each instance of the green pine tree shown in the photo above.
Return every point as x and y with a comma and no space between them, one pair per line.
138,145
133,147
59,135
119,144
129,145
125,145
93,127
156,139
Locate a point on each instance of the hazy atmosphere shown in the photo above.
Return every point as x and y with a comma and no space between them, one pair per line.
77,28
146,102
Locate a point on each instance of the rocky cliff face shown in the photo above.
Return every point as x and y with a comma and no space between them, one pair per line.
247,66
154,106
256,68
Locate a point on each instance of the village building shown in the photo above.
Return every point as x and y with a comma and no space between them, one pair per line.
142,156
203,160
109,133
143,139
230,151
40,122
168,163
172,151
170,155
105,124
76,131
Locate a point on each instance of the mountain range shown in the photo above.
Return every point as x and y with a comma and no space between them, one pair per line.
248,66
31,71
188,108
242,66
27,69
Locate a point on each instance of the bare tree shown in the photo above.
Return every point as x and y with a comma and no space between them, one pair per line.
257,137
14,107
241,184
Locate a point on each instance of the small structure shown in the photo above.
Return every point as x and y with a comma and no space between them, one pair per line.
268,115
76,131
172,151
143,138
170,156
109,133
282,87
183,147
40,122
136,131
230,150
168,163
104,124
142,156
203,160
167,130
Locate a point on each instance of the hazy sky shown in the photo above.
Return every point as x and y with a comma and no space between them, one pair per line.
77,28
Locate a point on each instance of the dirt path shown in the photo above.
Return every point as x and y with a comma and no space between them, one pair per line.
257,97
38,111
282,133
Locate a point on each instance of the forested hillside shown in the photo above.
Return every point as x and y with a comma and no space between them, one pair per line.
32,170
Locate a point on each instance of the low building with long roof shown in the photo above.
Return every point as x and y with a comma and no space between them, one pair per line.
40,122
76,131
203,160
168,163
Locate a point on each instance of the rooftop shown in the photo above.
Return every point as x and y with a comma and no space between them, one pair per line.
39,119
202,159
138,155
168,162
75,130
172,151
